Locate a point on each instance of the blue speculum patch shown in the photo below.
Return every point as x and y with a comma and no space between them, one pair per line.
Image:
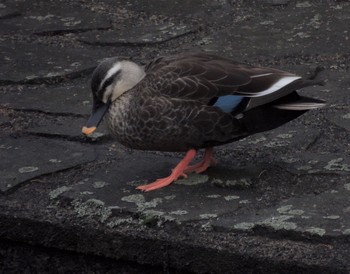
228,103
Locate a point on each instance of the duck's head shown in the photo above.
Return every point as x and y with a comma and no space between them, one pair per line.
109,80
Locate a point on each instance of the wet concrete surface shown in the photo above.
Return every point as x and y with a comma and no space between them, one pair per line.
277,202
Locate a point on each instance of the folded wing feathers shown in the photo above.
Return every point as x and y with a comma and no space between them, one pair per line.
202,77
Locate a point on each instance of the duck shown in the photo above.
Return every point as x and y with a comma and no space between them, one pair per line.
192,101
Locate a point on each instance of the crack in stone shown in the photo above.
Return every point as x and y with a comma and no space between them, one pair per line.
50,80
139,44
48,113
63,32
314,141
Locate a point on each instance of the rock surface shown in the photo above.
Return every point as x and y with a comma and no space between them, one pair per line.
276,203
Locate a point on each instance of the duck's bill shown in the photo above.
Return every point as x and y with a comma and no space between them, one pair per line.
88,130
98,111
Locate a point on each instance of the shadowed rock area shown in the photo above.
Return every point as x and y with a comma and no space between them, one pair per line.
277,202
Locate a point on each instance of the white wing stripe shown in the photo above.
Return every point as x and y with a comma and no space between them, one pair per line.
261,75
278,85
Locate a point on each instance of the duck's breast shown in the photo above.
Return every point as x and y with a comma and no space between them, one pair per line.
164,124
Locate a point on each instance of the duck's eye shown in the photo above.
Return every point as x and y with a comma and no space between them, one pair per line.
108,82
111,75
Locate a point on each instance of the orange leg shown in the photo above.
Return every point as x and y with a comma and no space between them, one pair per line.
175,174
208,160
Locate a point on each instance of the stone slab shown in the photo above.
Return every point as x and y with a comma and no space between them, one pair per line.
293,136
316,163
277,2
200,197
309,215
71,98
52,17
249,214
26,158
22,62
145,34
7,12
340,116
335,91
225,189
66,127
65,104
294,31
4,120
161,8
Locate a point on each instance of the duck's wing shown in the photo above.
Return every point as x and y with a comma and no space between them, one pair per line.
193,77
215,80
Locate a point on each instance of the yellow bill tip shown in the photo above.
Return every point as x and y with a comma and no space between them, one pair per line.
88,130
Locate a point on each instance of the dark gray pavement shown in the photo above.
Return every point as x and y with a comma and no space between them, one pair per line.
278,202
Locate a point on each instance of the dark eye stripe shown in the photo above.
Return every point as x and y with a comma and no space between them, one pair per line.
109,81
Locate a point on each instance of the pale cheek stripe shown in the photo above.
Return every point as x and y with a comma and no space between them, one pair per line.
111,71
107,94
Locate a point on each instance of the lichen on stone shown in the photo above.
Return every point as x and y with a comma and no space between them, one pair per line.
305,4
258,140
92,208
336,165
28,169
244,226
287,209
284,209
86,192
208,216
151,204
170,197
316,230
207,226
306,167
289,160
179,212
332,217
150,216
55,161
134,198
231,197
296,212
279,222
346,231
58,191
346,116
285,136
99,184
214,196
277,143
242,183
193,179
118,221
140,201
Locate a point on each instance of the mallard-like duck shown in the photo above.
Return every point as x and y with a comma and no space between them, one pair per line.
191,101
